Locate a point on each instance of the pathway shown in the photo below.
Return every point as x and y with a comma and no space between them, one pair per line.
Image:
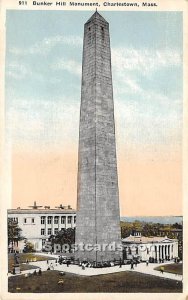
74,269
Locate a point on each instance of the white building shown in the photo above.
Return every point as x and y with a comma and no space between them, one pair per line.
150,248
39,223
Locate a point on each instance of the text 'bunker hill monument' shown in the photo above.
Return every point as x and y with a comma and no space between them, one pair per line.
98,216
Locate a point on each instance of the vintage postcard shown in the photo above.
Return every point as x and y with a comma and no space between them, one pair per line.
94,149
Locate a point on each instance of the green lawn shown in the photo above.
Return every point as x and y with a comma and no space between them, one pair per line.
122,282
172,268
22,259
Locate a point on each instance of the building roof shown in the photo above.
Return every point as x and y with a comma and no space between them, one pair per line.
145,240
41,211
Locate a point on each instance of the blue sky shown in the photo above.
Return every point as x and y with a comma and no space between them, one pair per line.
43,77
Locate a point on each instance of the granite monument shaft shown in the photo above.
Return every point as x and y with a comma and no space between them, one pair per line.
98,216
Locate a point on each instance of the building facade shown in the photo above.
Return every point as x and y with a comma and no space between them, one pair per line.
153,249
38,223
172,232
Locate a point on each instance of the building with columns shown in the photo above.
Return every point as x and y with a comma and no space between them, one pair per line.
38,223
154,249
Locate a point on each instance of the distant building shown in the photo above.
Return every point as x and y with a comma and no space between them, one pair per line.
173,232
38,223
154,249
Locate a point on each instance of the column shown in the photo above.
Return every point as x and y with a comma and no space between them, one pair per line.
169,251
125,252
161,251
152,250
172,254
72,222
59,223
52,225
175,250
45,227
157,252
66,222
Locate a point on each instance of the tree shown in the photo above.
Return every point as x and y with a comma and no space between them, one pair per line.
126,229
14,233
151,229
64,236
177,226
29,247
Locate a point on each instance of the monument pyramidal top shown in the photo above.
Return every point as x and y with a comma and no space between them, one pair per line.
96,16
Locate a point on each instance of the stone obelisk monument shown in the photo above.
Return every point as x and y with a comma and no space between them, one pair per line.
98,216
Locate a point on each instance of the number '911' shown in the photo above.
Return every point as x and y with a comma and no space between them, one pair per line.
22,2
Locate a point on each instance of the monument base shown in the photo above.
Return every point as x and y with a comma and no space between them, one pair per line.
16,269
103,259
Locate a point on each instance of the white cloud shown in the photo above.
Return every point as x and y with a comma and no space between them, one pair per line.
55,123
17,70
132,67
144,60
136,125
46,45
69,65
151,117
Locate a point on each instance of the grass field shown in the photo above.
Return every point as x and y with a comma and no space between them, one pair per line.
22,259
122,282
172,268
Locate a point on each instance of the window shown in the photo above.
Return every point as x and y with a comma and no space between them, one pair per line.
25,220
69,219
42,220
33,220
55,230
49,231
63,220
56,219
74,219
43,242
42,231
49,220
